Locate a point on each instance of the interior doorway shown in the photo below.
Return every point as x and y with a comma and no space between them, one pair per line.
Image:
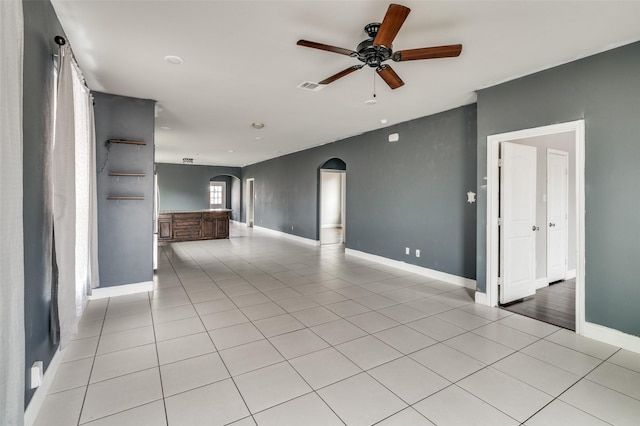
332,202
250,202
535,252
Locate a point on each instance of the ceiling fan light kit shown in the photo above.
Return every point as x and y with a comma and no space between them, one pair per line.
378,48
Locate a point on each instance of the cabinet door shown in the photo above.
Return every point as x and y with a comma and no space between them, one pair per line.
164,229
208,230
222,228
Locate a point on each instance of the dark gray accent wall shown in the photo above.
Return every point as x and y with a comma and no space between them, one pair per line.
186,187
41,25
603,89
125,228
406,194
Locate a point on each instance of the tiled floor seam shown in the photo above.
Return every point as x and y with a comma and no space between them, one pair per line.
223,363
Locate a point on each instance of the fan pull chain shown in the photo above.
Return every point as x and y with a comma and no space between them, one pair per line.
374,85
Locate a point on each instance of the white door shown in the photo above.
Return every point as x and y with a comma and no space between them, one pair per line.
557,214
518,214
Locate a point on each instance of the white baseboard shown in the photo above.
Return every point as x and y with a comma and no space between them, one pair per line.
481,298
611,336
120,290
431,273
289,236
31,413
237,222
331,225
571,274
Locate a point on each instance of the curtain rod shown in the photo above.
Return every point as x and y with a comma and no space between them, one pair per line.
60,41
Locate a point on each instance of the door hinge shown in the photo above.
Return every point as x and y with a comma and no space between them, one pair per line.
500,221
500,162
500,281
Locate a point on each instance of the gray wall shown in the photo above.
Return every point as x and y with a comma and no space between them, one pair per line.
125,228
40,27
604,90
186,187
406,194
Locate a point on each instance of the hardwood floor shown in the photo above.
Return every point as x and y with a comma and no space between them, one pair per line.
555,304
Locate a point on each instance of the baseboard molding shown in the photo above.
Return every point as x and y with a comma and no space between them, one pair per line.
237,222
611,336
481,298
571,274
332,225
289,236
431,273
120,290
37,399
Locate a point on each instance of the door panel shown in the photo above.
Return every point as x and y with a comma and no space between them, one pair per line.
518,213
557,213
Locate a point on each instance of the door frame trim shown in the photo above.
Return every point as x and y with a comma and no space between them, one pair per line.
493,144
251,207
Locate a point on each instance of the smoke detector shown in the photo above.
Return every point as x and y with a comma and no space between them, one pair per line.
186,160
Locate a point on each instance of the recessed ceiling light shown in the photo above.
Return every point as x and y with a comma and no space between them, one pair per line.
165,128
231,150
257,125
370,102
174,60
383,121
259,138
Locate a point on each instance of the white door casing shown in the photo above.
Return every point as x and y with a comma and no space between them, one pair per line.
518,214
490,297
250,202
557,214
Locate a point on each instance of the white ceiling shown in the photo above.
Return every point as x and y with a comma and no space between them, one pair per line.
242,64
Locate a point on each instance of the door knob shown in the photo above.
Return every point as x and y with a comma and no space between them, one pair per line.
535,228
552,224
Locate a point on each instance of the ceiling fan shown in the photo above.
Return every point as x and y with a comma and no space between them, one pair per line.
377,49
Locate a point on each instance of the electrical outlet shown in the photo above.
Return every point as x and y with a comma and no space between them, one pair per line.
37,374
292,227
407,250
417,253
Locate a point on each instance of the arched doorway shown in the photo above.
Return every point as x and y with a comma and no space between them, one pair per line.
332,201
225,193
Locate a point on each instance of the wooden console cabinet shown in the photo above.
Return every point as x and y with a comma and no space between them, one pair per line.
193,225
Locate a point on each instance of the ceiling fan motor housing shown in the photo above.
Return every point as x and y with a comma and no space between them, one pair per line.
369,53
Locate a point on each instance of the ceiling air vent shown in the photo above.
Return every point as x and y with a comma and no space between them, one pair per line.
308,85
186,160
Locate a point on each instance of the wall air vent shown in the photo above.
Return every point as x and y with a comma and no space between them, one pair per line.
308,85
187,160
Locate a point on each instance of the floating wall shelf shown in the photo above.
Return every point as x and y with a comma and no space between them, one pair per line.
123,197
126,142
127,174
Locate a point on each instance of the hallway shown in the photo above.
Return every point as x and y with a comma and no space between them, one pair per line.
268,331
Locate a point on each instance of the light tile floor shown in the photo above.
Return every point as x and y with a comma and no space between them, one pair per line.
267,331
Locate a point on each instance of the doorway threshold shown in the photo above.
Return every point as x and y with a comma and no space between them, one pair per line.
554,304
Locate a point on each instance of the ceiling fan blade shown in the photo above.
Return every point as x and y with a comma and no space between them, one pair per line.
428,53
393,20
326,47
389,76
341,74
